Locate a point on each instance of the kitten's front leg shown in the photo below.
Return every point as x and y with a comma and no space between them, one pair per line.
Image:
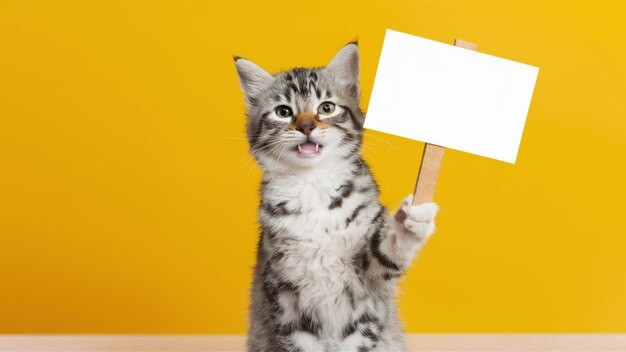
295,330
394,247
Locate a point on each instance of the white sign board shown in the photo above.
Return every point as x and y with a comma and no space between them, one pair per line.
450,96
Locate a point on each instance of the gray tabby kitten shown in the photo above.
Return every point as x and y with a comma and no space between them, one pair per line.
329,256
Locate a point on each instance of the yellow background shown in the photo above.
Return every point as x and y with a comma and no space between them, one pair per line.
128,205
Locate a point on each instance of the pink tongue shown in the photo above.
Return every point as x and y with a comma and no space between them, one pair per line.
307,148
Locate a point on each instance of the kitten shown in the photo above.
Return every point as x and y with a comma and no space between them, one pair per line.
329,256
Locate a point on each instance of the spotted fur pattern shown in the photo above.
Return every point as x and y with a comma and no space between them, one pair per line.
329,256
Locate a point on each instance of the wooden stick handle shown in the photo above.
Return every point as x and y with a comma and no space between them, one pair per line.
428,174
465,45
431,159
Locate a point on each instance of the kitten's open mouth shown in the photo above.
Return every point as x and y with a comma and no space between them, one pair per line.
308,149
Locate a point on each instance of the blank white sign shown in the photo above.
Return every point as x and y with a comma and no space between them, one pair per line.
450,96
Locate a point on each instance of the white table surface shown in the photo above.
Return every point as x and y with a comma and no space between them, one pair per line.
231,343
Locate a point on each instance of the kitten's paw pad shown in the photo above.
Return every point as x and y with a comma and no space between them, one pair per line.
417,219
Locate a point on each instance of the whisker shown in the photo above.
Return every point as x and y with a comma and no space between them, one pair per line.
369,157
280,154
270,144
250,169
275,146
249,158
382,139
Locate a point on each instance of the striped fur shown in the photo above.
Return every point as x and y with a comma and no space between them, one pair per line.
329,255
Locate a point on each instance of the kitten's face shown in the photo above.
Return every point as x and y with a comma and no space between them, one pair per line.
303,117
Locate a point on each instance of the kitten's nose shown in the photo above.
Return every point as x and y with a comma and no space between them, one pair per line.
305,122
305,127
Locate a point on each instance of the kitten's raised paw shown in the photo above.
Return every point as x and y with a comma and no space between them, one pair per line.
417,219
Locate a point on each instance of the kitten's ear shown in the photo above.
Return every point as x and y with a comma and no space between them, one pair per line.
252,78
345,65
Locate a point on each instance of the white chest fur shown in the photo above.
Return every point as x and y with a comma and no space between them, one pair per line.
318,242
307,201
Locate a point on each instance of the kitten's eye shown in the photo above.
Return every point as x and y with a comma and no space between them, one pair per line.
284,111
326,108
